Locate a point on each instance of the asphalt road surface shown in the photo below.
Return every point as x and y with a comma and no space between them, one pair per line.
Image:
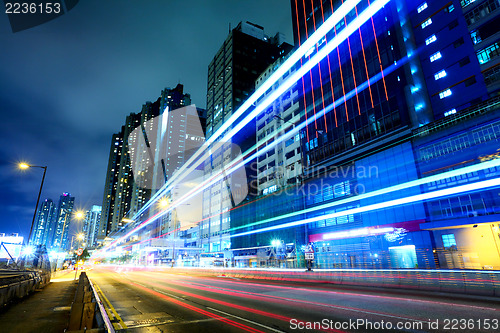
159,300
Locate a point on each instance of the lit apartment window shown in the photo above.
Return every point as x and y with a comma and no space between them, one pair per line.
465,3
422,7
440,75
435,56
445,93
431,39
452,111
488,53
426,23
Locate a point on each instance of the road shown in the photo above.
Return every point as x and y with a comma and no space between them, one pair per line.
157,300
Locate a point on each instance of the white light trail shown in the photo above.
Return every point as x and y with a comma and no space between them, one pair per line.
417,182
387,204
289,63
297,55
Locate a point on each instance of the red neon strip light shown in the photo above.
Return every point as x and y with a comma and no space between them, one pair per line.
303,86
352,67
310,72
330,69
364,59
341,78
319,67
379,59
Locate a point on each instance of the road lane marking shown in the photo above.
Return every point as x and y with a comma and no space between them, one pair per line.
247,320
110,307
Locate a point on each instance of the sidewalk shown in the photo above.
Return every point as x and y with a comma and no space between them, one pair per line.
47,310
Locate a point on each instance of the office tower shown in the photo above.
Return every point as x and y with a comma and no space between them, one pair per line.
415,83
44,223
372,106
279,169
245,53
462,39
91,226
63,221
459,43
282,165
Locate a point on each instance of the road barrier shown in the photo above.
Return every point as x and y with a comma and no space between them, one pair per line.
87,311
473,282
16,284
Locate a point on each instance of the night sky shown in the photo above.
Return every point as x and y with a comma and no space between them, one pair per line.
66,86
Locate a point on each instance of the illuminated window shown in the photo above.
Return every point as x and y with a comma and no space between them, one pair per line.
431,39
426,23
449,240
445,93
435,56
452,111
440,75
465,3
422,7
488,53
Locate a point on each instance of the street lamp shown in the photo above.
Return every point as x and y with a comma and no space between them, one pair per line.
277,249
78,215
25,166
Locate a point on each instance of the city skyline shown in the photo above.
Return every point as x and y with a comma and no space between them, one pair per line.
79,100
345,177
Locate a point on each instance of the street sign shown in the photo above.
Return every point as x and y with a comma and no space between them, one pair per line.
309,255
79,252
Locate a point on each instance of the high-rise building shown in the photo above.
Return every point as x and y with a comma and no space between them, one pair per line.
63,221
122,195
411,93
179,133
375,91
110,186
91,226
278,169
151,146
168,132
414,83
245,53
458,43
141,191
281,166
125,181
44,224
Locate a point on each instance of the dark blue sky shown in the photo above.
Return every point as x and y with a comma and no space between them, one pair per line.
67,85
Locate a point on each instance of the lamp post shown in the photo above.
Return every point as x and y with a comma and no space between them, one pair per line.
26,166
